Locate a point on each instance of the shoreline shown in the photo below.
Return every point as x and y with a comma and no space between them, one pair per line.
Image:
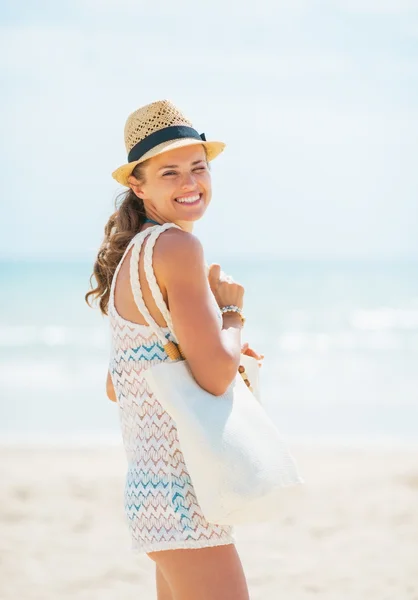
106,442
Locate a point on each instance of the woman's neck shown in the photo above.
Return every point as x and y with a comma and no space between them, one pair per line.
185,225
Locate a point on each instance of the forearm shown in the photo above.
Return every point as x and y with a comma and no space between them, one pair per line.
231,338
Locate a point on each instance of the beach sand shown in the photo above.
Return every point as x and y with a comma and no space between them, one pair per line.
351,532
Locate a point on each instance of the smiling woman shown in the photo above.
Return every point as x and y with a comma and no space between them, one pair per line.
165,285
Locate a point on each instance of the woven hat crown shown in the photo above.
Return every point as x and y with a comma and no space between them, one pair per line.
156,128
151,118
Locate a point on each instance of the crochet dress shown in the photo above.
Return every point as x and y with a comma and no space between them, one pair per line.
160,503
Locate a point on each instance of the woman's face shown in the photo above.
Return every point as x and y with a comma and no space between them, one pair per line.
177,185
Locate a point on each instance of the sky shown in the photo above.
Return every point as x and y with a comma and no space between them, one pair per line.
317,102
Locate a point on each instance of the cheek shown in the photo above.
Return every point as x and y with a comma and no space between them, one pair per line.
208,194
158,194
207,182
164,188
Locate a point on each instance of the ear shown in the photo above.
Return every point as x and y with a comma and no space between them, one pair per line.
135,186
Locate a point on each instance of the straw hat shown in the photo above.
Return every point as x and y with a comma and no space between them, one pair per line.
157,128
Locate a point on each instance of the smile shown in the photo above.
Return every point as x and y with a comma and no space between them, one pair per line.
189,199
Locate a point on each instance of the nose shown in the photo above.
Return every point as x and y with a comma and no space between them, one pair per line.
188,181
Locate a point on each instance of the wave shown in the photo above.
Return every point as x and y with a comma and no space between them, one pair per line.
348,340
57,374
52,336
103,440
373,329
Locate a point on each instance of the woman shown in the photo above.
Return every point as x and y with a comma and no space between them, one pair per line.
169,182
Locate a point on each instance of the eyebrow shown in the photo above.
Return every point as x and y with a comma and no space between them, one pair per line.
175,166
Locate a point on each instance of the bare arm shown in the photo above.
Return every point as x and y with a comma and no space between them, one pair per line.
213,354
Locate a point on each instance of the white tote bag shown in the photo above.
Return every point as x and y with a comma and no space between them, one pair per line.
236,458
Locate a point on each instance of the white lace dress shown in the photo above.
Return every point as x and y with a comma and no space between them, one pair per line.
160,503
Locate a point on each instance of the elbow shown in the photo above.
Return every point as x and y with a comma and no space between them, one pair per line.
217,379
219,389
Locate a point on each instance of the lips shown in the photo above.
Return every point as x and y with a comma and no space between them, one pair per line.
191,199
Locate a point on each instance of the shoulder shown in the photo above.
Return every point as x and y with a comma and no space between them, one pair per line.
175,244
177,250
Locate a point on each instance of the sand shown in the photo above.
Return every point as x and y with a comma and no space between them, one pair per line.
351,532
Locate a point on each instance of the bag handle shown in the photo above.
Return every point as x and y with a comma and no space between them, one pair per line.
169,346
152,280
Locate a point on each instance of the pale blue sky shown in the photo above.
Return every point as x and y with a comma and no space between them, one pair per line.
317,102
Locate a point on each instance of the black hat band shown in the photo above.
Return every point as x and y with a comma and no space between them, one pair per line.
174,132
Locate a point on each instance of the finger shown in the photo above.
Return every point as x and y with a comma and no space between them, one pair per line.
253,353
214,275
256,354
215,271
249,352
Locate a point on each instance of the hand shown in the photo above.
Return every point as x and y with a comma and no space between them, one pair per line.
226,290
245,349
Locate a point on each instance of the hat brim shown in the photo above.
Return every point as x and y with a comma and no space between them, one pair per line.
212,150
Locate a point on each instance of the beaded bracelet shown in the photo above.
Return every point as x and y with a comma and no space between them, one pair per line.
235,309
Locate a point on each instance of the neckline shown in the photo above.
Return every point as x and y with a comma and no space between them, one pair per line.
147,220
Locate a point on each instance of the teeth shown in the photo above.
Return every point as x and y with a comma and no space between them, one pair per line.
188,200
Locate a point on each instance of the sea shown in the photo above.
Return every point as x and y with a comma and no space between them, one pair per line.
340,340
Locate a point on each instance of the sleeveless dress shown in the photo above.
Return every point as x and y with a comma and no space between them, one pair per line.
161,507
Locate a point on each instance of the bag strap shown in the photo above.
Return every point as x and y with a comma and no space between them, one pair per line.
169,346
150,275
152,281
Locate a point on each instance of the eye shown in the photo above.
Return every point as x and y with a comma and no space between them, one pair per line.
169,173
202,168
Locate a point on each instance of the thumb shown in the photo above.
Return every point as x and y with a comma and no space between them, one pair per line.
214,275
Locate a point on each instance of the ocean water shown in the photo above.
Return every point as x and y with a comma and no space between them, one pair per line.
340,340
